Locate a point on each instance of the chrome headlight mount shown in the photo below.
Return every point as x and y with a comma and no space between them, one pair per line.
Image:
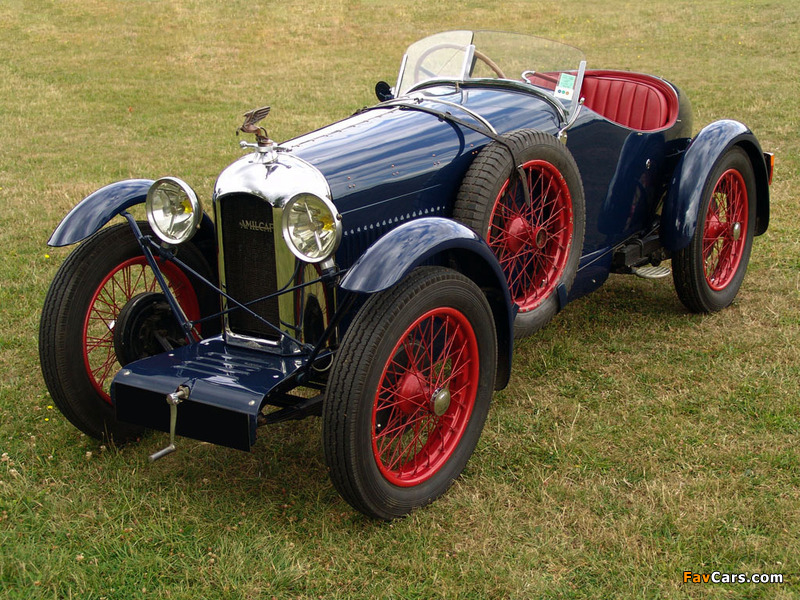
312,228
173,210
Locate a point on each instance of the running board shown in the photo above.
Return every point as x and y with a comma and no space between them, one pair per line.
651,272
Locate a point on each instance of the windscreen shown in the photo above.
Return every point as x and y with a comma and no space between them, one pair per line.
473,55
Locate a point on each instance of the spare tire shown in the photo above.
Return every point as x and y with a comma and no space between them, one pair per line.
538,240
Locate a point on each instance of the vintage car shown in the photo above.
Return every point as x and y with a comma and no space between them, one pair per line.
377,271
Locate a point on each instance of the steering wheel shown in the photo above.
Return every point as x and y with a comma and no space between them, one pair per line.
531,76
420,71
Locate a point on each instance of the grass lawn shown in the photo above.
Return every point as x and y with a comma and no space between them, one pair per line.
634,442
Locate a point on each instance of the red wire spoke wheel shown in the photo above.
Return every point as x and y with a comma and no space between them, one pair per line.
709,272
82,311
128,279
425,397
409,392
531,236
538,237
723,233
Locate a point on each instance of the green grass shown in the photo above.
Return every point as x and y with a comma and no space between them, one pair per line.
634,442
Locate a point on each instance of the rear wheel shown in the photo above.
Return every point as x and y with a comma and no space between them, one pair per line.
409,392
709,272
78,332
537,239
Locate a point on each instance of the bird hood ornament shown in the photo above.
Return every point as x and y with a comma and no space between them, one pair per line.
250,125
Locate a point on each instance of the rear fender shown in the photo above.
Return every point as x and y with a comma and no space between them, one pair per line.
98,208
441,241
679,217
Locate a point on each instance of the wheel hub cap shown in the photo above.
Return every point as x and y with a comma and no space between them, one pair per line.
412,392
144,327
518,233
441,402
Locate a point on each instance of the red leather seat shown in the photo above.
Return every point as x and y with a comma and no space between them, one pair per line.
637,101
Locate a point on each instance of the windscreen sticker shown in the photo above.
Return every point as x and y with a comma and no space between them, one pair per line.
566,86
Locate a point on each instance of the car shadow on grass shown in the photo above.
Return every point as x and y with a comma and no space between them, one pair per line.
284,476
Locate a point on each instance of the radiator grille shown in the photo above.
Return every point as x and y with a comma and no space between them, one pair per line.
249,253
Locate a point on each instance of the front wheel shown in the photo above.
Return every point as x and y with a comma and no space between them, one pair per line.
709,272
83,314
409,392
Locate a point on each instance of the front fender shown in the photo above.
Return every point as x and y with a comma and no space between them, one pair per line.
445,242
681,210
97,209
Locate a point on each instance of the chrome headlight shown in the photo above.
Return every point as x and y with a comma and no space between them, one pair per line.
173,210
312,227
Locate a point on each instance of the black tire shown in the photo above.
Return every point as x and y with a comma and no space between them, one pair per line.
394,438
538,243
709,272
81,309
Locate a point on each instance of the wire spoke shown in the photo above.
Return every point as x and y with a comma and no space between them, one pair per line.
437,352
541,236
